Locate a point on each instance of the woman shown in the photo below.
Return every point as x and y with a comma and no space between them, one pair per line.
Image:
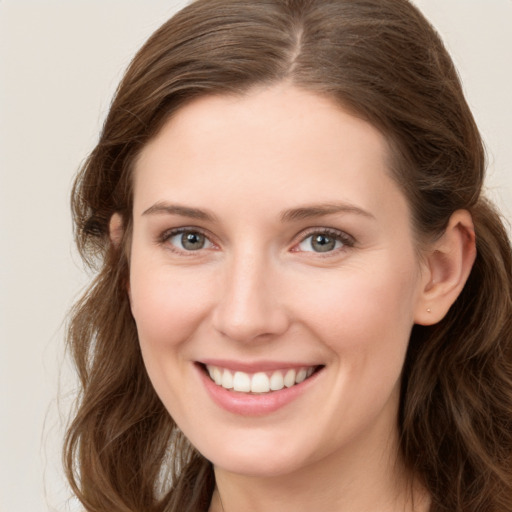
303,300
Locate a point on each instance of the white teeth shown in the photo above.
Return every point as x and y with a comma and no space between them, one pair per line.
242,382
260,382
289,378
301,375
227,379
276,381
217,376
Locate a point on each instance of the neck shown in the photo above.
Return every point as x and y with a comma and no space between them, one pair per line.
356,480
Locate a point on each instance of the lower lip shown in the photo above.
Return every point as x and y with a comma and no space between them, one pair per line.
254,405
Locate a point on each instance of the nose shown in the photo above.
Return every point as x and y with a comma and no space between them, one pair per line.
250,305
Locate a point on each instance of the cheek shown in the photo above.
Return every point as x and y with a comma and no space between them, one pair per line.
167,303
363,312
365,320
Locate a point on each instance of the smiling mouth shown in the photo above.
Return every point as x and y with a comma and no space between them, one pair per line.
259,382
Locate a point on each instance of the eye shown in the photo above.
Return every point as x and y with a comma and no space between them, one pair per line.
325,241
188,240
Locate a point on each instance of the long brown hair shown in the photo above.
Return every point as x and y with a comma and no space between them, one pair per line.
383,61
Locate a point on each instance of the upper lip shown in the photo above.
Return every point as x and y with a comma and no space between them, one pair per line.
255,366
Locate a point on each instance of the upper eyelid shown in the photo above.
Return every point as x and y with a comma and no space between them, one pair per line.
343,235
167,234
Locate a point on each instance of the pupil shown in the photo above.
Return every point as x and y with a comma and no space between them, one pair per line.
323,243
192,241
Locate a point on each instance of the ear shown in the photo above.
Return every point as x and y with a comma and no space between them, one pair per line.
115,229
448,263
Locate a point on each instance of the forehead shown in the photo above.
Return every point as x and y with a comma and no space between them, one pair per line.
279,145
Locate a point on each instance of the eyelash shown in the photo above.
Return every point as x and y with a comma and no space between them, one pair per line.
165,237
346,240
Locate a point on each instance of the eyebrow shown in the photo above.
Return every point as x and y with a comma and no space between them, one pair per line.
176,209
319,210
290,215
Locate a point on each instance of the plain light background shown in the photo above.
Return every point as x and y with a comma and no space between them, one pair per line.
60,62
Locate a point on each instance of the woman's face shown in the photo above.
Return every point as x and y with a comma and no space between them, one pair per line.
270,247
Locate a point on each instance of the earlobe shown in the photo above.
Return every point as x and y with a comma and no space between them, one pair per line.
448,264
115,229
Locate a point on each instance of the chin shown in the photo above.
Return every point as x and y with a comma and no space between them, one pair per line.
261,468
255,460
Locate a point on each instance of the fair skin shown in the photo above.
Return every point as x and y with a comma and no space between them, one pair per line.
268,236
